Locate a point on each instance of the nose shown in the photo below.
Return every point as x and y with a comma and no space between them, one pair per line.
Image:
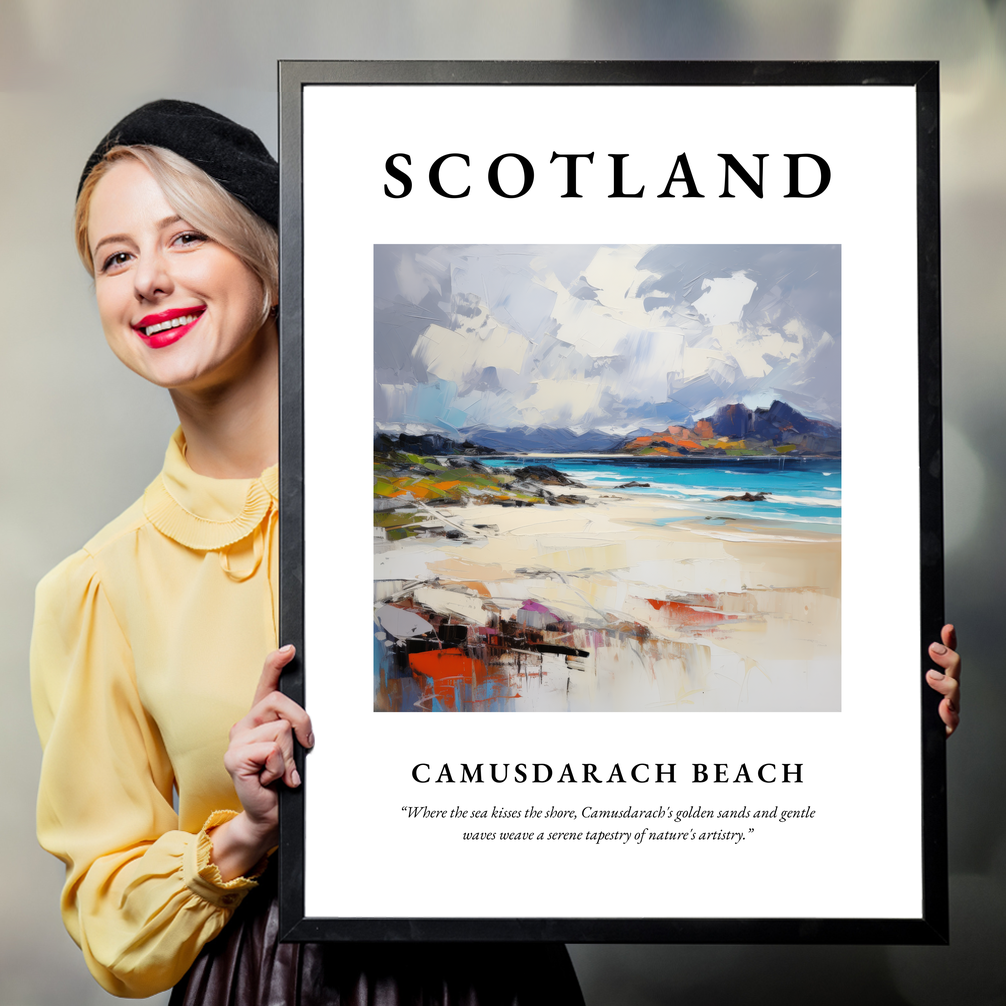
152,277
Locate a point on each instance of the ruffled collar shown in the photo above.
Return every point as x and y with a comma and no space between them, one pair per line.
203,513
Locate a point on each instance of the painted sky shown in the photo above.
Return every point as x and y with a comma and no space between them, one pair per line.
601,337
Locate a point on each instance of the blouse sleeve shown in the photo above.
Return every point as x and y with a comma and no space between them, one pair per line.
141,898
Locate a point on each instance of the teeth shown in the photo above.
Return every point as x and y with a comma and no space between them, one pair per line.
174,323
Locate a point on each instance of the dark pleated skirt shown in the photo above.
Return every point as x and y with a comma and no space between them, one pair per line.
246,965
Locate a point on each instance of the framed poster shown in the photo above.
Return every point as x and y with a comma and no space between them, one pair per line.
611,501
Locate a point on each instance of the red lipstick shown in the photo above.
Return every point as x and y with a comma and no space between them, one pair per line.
166,327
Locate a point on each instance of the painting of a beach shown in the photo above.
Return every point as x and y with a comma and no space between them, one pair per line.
607,478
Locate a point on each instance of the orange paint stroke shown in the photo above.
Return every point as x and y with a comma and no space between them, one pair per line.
446,669
685,614
448,663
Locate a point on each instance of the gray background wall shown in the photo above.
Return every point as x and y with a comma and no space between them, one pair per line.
81,436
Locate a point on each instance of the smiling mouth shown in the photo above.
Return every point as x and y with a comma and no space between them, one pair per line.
167,321
185,319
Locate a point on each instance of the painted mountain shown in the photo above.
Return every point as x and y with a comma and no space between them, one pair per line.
731,431
737,431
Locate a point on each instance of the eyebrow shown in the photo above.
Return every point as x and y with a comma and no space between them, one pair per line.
111,238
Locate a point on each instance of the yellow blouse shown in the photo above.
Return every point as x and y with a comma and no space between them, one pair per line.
147,647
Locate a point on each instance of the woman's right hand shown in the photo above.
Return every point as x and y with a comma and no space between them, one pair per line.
260,753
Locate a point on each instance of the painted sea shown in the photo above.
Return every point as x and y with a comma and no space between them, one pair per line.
799,492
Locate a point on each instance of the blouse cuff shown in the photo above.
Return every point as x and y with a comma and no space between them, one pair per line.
202,876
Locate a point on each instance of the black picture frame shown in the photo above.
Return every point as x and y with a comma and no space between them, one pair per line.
931,927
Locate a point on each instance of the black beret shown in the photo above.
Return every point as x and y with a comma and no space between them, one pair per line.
230,154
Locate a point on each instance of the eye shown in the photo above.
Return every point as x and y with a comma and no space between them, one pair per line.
115,261
189,239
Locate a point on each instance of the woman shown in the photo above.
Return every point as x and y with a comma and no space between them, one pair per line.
148,643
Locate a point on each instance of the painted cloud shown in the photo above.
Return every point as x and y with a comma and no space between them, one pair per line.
613,338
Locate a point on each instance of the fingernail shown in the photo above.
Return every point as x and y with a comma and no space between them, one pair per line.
310,740
295,777
936,676
287,649
938,648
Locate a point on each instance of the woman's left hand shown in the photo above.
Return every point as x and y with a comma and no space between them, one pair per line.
948,681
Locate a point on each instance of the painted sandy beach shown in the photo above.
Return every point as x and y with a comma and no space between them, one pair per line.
616,603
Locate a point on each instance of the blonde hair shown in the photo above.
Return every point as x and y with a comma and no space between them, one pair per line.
199,200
